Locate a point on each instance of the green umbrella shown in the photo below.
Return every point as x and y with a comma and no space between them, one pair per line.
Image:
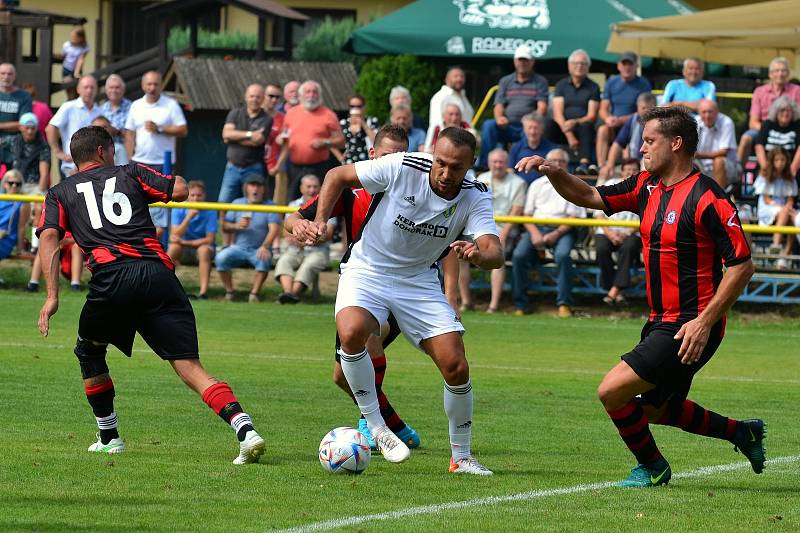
494,28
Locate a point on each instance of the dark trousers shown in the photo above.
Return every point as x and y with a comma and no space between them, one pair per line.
584,132
618,275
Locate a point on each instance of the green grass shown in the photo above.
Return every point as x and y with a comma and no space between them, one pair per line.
538,425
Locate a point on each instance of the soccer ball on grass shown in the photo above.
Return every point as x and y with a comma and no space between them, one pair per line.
344,450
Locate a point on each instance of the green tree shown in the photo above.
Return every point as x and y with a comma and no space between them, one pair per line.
325,41
379,75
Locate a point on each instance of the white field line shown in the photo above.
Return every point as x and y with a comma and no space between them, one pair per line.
519,497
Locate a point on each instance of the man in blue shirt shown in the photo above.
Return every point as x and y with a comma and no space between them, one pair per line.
254,235
191,239
689,90
628,142
533,143
618,102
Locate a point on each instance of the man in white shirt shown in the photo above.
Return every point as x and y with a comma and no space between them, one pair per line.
70,117
716,147
421,205
154,122
543,201
453,89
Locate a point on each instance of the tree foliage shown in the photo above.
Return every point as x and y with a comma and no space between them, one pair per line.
325,41
379,75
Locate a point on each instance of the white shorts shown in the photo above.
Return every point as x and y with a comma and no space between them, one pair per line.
416,302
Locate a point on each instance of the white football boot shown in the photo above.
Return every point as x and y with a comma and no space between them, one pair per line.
469,465
250,449
393,449
114,446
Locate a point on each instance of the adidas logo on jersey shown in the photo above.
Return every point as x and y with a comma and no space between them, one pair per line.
410,199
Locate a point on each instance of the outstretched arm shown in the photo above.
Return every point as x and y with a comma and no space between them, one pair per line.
336,180
568,186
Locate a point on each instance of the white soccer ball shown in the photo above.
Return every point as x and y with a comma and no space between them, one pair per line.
344,450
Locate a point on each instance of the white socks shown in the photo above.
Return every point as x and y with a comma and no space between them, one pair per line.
458,408
360,376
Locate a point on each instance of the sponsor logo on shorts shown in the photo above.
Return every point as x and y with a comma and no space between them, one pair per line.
429,230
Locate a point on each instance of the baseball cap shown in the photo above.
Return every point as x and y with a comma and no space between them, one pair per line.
523,51
29,119
254,178
628,56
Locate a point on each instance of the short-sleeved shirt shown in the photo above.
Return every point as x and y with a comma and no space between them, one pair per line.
255,234
576,99
9,221
544,201
416,137
630,136
624,216
763,97
679,90
151,147
44,114
13,105
518,98
522,149
25,157
70,54
304,126
772,135
722,135
688,230
70,117
506,193
117,116
239,154
106,209
409,227
203,223
623,94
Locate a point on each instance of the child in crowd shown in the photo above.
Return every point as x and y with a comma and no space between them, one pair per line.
73,53
777,189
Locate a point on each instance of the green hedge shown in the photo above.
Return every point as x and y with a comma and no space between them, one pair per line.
379,75
325,41
178,39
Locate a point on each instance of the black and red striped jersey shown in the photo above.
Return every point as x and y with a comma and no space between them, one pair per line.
688,230
106,209
353,205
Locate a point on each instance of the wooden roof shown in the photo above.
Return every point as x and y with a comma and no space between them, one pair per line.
257,7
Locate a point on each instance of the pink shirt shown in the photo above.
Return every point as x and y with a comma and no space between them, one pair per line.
43,113
763,98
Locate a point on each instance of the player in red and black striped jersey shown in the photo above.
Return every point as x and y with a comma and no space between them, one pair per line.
689,229
133,286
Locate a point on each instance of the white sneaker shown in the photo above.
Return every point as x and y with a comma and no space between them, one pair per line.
250,449
114,446
393,449
469,465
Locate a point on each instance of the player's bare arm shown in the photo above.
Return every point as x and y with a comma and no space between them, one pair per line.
486,252
694,334
49,255
568,186
336,180
180,191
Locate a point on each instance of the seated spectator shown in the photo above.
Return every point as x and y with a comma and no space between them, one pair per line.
254,235
13,216
781,129
518,94
192,235
543,201
763,97
452,90
29,154
299,266
618,102
624,240
508,199
575,104
71,265
777,192
628,142
401,117
451,118
359,132
689,90
716,146
533,143
400,95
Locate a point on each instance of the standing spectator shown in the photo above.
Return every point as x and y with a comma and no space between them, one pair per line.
533,143
716,147
191,240
299,265
70,117
628,142
399,95
40,109
73,54
622,239
290,96
30,155
763,97
154,122
575,105
689,90
618,102
14,102
254,235
274,156
782,128
312,130
12,216
359,131
777,193
518,94
451,118
453,91
116,109
544,201
508,199
400,116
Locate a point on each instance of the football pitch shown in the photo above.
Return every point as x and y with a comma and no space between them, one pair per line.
537,424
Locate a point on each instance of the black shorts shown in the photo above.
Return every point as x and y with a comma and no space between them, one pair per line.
394,332
143,296
655,360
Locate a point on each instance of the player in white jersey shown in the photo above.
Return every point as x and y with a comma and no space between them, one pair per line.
422,206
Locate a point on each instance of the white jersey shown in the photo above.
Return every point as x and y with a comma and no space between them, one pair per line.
408,226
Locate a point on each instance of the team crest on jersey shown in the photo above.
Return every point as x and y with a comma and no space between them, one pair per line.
450,210
505,14
671,217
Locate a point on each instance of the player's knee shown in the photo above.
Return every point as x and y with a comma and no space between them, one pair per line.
92,358
353,337
456,371
608,394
